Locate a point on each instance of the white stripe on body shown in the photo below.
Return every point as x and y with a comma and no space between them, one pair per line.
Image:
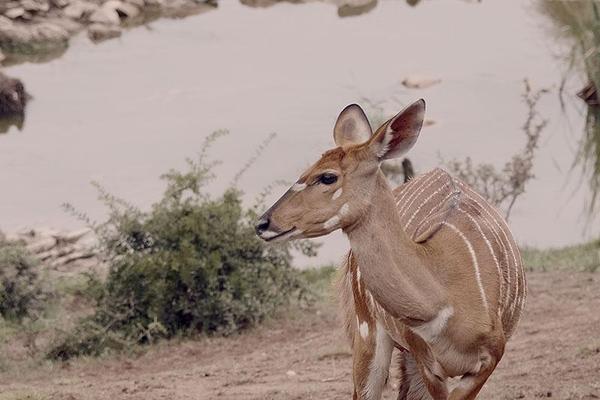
475,264
495,218
500,228
413,185
493,253
504,253
417,192
425,202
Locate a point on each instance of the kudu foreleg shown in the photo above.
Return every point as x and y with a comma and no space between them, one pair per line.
372,353
470,384
430,369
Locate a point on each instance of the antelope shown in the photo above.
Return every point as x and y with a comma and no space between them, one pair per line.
433,268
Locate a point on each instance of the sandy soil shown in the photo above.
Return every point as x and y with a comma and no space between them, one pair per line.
555,353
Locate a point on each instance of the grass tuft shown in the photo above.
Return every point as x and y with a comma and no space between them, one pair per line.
582,257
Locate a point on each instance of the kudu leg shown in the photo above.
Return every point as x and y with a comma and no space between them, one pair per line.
372,354
431,371
470,384
411,385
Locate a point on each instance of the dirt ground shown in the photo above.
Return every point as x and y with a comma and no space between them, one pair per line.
554,354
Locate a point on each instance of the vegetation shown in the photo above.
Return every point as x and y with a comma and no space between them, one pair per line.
20,287
578,23
192,264
582,257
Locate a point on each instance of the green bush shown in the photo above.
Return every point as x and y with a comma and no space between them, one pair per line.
192,264
20,288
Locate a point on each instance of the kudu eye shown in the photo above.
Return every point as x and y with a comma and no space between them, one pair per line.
328,178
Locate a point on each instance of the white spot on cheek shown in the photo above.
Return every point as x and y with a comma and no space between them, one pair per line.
297,187
345,209
268,234
331,222
337,194
363,328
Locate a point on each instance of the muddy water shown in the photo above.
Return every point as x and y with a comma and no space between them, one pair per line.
127,110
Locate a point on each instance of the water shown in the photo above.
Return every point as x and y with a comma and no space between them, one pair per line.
127,110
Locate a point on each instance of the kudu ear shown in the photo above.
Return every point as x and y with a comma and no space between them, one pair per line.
352,126
400,133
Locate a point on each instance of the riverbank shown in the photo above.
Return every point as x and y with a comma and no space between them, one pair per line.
39,30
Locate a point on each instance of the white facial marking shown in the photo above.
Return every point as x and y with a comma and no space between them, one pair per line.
297,187
431,329
337,194
363,328
331,222
345,209
268,234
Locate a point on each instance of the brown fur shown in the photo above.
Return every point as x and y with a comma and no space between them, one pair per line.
433,269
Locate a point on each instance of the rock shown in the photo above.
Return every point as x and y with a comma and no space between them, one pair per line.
291,373
121,9
35,6
106,15
79,9
60,3
73,236
72,257
420,82
18,34
68,24
183,8
2,57
138,3
99,32
15,13
127,10
44,231
48,32
351,8
13,97
42,245
12,238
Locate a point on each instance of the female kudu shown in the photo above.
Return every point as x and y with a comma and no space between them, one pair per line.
433,269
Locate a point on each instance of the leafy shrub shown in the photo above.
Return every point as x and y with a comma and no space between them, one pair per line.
20,288
191,264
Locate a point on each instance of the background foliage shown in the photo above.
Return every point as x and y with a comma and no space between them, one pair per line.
192,264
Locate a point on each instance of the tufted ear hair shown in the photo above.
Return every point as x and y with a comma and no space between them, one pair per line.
352,126
399,134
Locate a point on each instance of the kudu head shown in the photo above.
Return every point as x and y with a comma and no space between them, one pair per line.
335,191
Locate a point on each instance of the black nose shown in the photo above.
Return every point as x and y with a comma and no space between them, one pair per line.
262,225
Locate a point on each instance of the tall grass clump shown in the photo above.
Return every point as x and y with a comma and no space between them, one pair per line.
577,22
192,264
21,292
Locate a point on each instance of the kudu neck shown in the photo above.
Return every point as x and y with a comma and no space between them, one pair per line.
379,228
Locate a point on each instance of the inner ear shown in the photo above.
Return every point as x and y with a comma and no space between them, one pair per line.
399,134
352,126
